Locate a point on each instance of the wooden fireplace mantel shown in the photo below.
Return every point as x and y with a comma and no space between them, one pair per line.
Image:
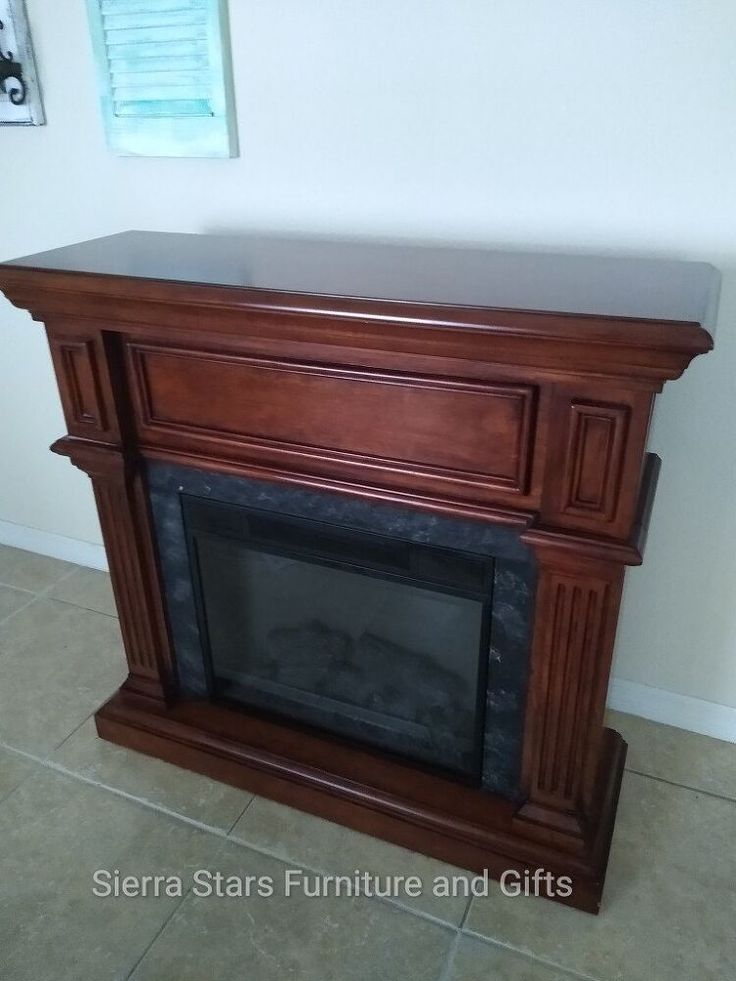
502,387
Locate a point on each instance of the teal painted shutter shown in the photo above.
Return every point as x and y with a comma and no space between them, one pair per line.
165,79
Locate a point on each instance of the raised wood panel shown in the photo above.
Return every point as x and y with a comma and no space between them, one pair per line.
77,371
459,431
593,467
594,459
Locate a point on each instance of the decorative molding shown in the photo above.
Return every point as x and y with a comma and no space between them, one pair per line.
673,709
88,554
594,459
597,442
79,382
466,437
644,353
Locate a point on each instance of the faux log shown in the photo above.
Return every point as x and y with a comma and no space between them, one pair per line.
501,387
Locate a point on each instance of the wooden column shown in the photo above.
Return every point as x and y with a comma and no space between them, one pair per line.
87,366
122,507
575,623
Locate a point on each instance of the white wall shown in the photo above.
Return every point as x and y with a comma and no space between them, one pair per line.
572,125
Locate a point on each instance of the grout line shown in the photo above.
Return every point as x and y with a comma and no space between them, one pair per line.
461,930
150,805
158,934
227,836
448,969
87,609
684,786
213,830
63,578
268,853
47,589
41,594
75,730
232,826
18,589
397,904
527,955
10,793
24,606
466,914
458,931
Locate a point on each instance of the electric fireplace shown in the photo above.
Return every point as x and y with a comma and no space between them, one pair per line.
367,511
382,640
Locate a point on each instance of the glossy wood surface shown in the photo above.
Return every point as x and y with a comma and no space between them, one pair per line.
642,289
442,379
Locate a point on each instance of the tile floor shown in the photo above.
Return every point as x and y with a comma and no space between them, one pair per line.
71,804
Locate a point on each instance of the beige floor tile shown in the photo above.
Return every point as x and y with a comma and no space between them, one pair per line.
302,838
677,755
12,600
56,832
278,937
479,961
26,570
669,906
89,589
168,786
13,771
57,664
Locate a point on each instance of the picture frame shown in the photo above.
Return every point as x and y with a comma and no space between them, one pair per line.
20,96
165,77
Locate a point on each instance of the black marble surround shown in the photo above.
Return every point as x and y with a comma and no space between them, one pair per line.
513,590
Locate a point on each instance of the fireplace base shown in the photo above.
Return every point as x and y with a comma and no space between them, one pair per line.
366,791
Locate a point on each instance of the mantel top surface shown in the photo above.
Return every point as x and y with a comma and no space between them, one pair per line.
644,289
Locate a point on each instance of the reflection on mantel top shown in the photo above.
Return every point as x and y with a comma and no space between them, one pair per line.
643,289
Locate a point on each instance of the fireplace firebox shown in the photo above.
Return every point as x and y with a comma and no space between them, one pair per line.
367,510
372,638
378,624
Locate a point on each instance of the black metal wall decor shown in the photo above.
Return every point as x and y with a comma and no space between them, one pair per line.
11,74
20,100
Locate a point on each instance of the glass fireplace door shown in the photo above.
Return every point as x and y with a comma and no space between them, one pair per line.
374,639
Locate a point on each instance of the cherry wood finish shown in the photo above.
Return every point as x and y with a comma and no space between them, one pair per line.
508,388
473,437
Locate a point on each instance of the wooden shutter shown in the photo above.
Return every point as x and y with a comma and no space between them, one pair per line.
165,78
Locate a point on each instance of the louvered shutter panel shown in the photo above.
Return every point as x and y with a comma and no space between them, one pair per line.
165,76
